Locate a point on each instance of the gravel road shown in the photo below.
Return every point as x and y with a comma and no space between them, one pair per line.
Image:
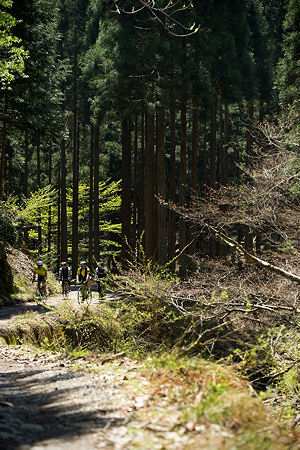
45,405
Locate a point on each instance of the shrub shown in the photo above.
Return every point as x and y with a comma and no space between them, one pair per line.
8,233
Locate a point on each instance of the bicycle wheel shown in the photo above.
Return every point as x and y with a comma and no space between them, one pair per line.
40,293
84,293
89,297
65,290
37,294
79,295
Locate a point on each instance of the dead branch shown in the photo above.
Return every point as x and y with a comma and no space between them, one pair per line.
260,262
278,374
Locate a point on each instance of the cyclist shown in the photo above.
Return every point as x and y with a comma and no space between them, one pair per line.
83,275
41,272
100,275
64,274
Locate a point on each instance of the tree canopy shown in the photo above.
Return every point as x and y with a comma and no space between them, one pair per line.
161,97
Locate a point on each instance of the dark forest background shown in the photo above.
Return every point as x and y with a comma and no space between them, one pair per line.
123,106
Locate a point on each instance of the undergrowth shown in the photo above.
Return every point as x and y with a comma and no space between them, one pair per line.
272,364
214,401
153,313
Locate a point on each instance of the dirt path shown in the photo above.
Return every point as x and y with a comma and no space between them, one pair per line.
93,401
7,313
45,405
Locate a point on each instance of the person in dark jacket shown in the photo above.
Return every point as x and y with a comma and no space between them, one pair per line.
100,277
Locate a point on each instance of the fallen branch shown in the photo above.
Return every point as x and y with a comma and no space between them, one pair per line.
260,262
112,358
278,374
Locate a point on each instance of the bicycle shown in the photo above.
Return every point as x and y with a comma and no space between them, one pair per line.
83,294
65,289
102,287
40,289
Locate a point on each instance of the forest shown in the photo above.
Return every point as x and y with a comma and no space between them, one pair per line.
162,137
105,141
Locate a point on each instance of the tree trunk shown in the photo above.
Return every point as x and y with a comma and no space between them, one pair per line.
63,191
25,186
50,209
38,168
205,166
195,150
149,186
259,262
226,141
161,188
75,163
194,167
212,162
38,162
221,159
172,190
91,196
126,191
182,182
249,240
26,160
135,185
213,143
3,150
58,216
141,180
261,110
249,136
96,193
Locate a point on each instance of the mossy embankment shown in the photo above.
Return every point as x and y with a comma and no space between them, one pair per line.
65,327
6,279
16,270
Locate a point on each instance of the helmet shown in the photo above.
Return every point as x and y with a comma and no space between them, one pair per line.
100,263
64,263
39,263
83,263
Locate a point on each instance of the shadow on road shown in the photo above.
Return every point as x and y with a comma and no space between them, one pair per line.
36,406
8,311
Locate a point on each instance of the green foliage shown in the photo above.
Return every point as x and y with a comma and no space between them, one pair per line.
36,206
294,168
53,344
109,225
288,74
8,233
274,360
89,328
29,210
146,314
13,55
6,279
288,248
295,192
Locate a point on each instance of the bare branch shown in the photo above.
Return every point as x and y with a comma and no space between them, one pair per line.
266,265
